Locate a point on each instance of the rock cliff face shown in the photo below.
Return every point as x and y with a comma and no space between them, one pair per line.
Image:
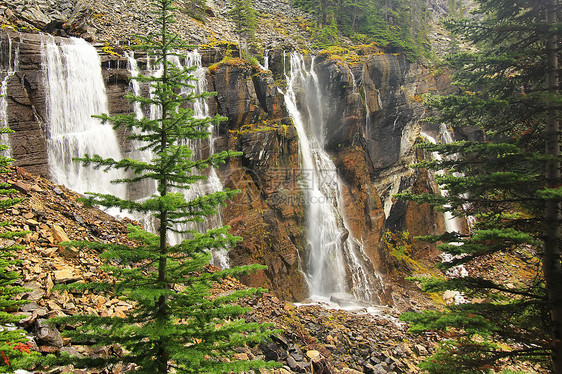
267,212
372,123
26,101
376,108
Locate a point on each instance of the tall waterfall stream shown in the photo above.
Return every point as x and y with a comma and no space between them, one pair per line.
332,252
336,265
76,92
452,223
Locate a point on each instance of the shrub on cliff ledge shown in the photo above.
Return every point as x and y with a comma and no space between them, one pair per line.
174,323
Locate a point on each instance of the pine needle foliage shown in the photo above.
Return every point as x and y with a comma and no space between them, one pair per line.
174,324
502,181
14,348
399,25
244,16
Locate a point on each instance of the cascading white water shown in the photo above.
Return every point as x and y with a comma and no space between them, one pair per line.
148,186
201,110
10,65
145,188
75,92
265,65
452,223
133,68
367,119
213,183
332,250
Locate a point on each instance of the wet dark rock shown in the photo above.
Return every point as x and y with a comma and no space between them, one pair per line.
420,350
47,334
273,352
297,365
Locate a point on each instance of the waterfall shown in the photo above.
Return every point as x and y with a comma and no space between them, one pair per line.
75,92
367,118
212,184
332,251
266,60
452,223
10,65
147,187
265,65
133,68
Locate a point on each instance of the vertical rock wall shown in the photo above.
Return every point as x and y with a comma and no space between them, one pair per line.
26,104
373,122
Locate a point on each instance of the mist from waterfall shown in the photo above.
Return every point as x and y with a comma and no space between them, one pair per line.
75,92
334,255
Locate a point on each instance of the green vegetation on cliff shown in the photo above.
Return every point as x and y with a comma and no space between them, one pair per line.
397,24
244,16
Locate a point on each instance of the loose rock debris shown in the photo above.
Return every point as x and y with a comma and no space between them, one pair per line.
314,339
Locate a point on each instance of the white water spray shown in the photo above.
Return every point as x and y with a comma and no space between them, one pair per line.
133,68
10,66
213,183
76,92
201,110
332,250
452,224
265,65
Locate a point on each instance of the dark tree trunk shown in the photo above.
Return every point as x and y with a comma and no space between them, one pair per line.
551,265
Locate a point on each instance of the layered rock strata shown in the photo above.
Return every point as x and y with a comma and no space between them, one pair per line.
372,123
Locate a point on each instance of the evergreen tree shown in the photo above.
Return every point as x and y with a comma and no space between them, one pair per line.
244,16
509,182
398,24
174,324
14,347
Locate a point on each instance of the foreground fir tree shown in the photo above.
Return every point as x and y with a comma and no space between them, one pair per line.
14,347
509,182
174,325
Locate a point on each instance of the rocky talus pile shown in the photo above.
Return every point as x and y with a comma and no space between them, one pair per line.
121,20
314,339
